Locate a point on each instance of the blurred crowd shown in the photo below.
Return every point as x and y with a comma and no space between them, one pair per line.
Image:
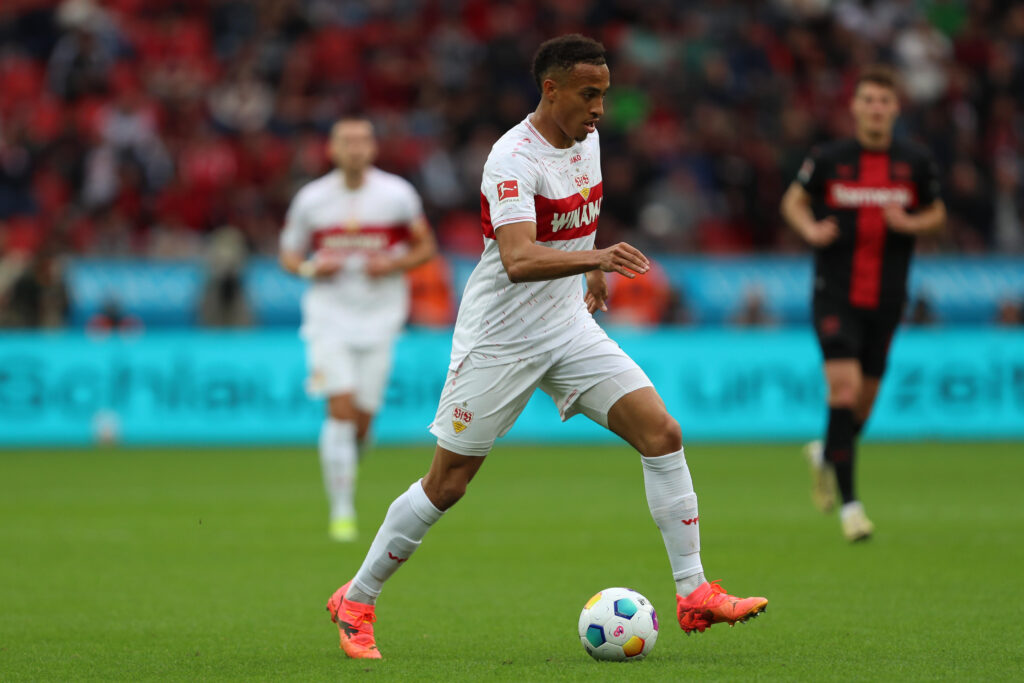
141,127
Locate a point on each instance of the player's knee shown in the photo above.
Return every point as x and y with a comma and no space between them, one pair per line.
672,435
448,494
339,415
341,408
363,424
664,436
843,394
444,492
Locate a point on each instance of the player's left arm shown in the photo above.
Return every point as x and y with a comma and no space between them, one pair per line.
527,261
597,291
295,244
422,248
930,218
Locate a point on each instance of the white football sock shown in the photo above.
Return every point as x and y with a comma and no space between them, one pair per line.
854,507
673,505
338,462
401,532
816,451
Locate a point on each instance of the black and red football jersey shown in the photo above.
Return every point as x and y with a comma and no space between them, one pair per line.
868,263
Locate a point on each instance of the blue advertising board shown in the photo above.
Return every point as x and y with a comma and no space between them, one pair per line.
248,387
961,290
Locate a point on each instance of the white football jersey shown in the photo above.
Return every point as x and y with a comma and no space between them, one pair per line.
325,214
526,179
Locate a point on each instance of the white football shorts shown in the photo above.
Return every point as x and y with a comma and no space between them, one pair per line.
480,404
337,368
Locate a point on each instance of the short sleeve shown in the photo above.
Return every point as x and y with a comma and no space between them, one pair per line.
412,205
509,185
810,174
928,186
296,233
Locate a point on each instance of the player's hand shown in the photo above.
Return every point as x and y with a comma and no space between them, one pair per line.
822,233
327,262
897,218
624,260
379,265
596,298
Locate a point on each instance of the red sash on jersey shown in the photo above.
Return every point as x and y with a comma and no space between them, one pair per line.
364,238
557,219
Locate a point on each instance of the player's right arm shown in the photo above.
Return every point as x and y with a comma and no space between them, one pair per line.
796,210
931,213
295,243
527,261
796,204
508,186
320,264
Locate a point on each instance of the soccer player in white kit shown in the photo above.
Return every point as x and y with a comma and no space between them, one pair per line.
363,228
525,323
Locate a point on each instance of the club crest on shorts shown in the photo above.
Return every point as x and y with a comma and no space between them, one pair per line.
316,382
830,325
461,417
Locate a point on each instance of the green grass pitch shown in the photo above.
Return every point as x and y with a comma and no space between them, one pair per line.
142,564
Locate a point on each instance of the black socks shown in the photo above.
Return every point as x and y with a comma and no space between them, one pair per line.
840,449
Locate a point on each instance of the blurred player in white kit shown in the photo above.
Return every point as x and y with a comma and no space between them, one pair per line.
353,233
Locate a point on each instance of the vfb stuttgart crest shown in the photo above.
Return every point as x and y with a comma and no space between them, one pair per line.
583,185
461,417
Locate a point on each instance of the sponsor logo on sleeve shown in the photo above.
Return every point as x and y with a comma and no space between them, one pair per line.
508,190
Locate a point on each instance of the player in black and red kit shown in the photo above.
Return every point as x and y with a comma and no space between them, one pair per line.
860,203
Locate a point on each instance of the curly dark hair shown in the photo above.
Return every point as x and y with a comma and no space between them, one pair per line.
565,52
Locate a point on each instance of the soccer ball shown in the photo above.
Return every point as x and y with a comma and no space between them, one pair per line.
618,624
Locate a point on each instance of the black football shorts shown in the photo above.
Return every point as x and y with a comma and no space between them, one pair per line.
846,331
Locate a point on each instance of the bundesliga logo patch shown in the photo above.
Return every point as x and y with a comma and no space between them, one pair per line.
461,419
508,189
804,174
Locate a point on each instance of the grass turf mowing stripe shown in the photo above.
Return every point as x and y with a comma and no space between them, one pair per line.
134,564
